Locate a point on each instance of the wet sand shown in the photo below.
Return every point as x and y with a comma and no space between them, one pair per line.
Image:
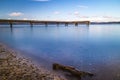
16,67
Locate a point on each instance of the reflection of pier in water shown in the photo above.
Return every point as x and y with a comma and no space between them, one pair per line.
46,23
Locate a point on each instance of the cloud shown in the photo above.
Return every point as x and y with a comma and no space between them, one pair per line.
99,18
25,18
84,16
108,17
9,18
76,13
15,14
111,18
56,12
41,0
82,6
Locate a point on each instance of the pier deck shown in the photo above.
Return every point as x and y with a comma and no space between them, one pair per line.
32,22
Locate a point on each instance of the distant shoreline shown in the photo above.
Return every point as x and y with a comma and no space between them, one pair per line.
105,22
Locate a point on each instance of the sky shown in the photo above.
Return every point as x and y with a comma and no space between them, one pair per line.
64,10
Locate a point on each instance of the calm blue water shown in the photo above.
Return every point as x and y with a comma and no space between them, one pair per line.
95,48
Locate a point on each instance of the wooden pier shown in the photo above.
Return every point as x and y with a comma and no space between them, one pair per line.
32,22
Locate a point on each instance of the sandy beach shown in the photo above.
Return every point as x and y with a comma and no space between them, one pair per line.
14,67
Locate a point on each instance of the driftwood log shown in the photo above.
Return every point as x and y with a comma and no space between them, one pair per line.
72,71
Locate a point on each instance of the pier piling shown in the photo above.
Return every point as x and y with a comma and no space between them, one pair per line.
66,24
76,24
31,24
57,23
11,25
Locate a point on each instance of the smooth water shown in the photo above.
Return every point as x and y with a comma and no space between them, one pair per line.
94,49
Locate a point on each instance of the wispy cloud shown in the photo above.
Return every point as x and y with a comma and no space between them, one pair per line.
99,18
84,16
56,12
82,6
107,17
15,14
41,0
76,13
25,18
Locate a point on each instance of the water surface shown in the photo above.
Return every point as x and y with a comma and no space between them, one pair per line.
95,48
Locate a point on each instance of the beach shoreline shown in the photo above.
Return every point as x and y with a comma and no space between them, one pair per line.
14,66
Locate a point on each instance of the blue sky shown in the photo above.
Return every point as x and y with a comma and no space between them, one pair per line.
93,10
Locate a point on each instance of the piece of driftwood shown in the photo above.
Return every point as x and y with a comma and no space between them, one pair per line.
72,70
